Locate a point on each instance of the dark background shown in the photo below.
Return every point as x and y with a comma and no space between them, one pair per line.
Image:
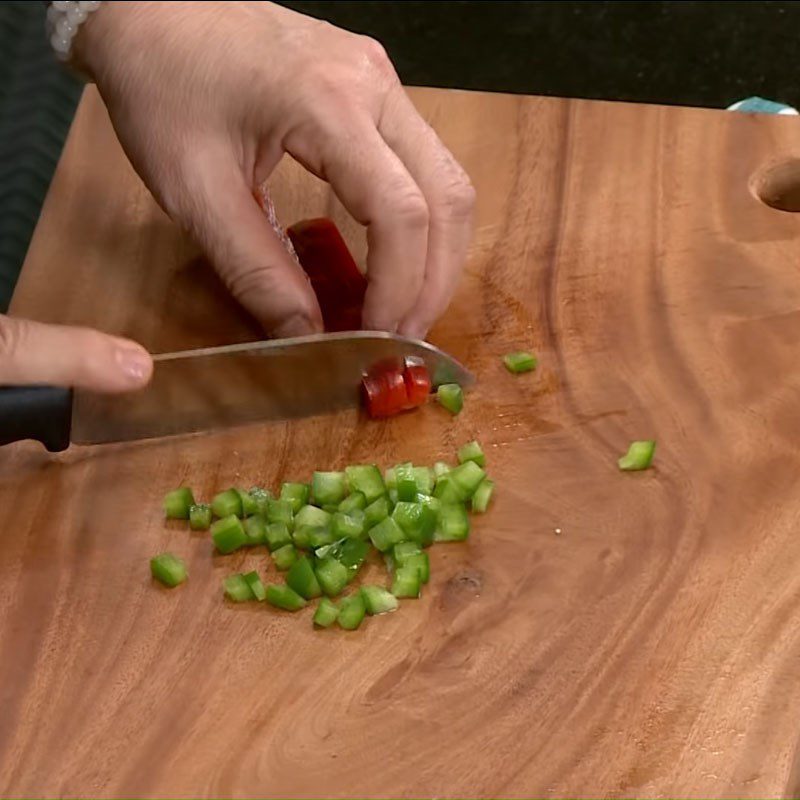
679,52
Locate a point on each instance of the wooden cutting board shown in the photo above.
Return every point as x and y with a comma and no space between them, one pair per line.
651,648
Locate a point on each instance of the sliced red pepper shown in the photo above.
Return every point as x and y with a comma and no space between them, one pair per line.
339,285
392,386
418,384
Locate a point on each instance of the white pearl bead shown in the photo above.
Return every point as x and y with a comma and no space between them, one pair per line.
61,5
89,5
76,15
60,44
65,29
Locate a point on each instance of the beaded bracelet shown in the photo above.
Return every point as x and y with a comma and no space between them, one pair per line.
63,21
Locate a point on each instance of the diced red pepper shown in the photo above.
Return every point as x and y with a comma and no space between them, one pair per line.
418,384
339,285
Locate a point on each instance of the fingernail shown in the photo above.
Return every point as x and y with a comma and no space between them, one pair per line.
135,363
414,330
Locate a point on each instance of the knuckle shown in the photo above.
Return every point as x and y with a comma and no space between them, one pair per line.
377,58
11,331
458,197
410,207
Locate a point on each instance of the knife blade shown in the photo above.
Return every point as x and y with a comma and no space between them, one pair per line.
220,387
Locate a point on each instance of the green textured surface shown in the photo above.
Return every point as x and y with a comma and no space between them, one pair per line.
37,103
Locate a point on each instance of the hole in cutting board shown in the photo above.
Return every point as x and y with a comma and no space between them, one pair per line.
778,186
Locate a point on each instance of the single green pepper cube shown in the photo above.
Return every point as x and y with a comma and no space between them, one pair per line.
447,491
424,478
450,396
404,550
433,503
256,586
521,361
284,597
284,556
422,562
319,535
237,589
261,497
349,526
280,511
390,478
326,613
178,502
482,496
365,478
227,503
352,611
639,456
296,494
256,530
312,517
301,579
200,517
453,524
301,536
228,534
352,553
386,534
357,501
277,535
472,452
417,521
168,569
328,488
249,503
407,581
406,481
376,512
467,477
332,575
378,600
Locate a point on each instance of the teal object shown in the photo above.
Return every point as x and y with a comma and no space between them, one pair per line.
759,105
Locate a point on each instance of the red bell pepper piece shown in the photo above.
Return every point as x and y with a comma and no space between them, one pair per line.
339,285
392,386
418,383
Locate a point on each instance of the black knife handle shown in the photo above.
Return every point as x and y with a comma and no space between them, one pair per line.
43,413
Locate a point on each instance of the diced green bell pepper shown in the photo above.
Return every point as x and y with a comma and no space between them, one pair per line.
417,521
249,503
441,468
365,478
284,597
407,581
284,556
425,480
326,613
482,496
178,502
639,456
168,569
453,524
378,600
356,501
200,517
467,477
450,397
472,452
227,503
521,361
351,611
261,497
256,530
376,512
237,589
386,534
406,481
256,586
296,494
301,579
447,491
280,511
332,575
277,535
228,534
348,525
328,488
319,535
390,478
312,516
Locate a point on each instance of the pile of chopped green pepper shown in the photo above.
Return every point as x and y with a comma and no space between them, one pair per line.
320,534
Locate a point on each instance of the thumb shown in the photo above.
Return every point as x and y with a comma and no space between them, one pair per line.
59,355
249,255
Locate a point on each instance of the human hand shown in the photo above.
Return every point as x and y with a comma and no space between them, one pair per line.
207,96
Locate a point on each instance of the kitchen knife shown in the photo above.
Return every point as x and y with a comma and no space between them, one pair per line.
218,387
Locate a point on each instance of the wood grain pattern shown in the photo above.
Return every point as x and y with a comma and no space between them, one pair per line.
651,649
